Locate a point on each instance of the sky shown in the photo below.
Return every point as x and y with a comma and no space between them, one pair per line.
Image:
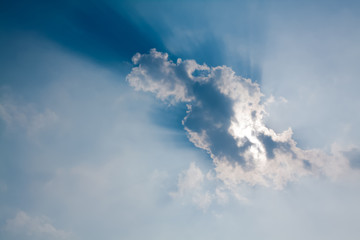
154,119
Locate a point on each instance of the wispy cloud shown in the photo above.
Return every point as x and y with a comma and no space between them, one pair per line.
191,187
26,117
23,225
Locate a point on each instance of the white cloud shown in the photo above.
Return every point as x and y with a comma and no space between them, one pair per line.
163,77
225,117
33,227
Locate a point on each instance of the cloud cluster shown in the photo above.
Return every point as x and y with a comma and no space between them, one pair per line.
225,117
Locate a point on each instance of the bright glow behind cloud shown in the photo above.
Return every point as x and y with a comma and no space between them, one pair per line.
225,118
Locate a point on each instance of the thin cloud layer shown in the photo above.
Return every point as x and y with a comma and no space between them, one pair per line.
225,117
22,225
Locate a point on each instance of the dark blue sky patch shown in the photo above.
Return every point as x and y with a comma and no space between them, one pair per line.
94,30
168,116
200,73
234,39
208,51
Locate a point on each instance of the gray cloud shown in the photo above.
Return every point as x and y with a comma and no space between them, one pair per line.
225,118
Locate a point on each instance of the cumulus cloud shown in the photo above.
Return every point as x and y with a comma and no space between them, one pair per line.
225,117
33,227
168,80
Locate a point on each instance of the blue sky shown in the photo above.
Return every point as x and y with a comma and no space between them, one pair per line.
179,120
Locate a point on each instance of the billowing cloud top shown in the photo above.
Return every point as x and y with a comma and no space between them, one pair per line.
225,117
